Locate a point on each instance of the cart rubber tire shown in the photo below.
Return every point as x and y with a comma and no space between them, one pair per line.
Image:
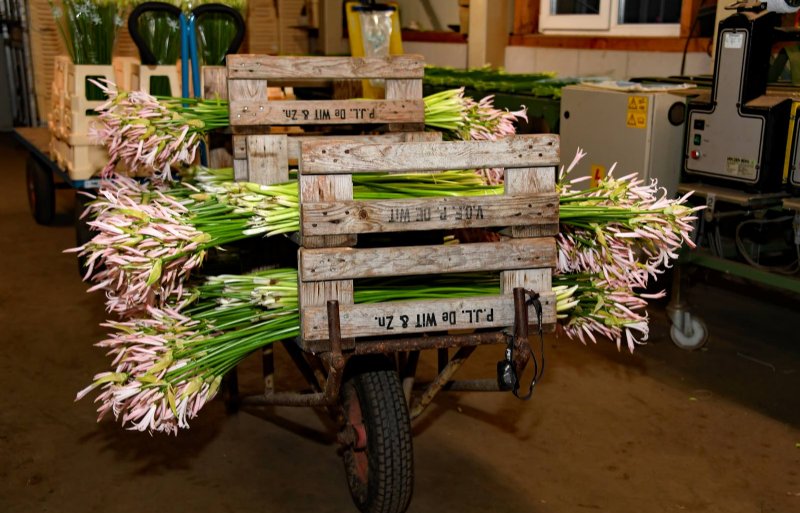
381,475
41,191
83,232
692,341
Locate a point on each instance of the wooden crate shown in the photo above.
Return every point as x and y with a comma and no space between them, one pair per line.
80,161
331,221
259,154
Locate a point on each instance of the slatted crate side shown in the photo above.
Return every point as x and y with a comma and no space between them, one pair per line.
529,204
248,76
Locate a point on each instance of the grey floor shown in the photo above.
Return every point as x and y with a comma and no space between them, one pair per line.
661,430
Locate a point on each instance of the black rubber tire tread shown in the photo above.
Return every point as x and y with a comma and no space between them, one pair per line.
83,232
389,444
39,181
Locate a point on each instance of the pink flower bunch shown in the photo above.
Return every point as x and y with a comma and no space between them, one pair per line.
624,229
144,133
144,247
139,392
601,310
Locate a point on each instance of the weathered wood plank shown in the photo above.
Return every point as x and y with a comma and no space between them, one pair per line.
325,112
527,181
296,142
219,157
317,294
267,159
282,68
215,82
240,173
522,151
404,89
378,216
406,317
240,146
348,263
538,280
326,188
241,90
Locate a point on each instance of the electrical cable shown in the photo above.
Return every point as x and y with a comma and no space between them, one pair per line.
788,269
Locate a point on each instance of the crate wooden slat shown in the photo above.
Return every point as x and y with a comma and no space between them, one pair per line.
408,317
385,216
324,112
347,264
268,67
516,152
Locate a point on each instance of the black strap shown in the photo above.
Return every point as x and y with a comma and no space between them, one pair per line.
533,299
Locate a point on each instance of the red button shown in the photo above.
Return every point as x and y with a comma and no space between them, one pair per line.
695,154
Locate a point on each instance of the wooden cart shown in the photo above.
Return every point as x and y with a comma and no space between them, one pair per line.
360,361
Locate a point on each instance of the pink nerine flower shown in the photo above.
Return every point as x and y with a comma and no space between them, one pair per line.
139,391
144,133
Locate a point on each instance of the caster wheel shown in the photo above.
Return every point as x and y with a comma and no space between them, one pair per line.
378,455
41,191
692,337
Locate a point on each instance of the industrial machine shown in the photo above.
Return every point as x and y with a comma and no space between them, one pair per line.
638,128
737,135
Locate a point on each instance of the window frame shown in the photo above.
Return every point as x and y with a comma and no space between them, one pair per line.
605,23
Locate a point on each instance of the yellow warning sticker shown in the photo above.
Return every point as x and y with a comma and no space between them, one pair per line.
598,173
637,112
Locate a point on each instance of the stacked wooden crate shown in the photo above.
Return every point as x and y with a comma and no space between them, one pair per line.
331,221
71,116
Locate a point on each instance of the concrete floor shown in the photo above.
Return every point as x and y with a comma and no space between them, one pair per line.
661,430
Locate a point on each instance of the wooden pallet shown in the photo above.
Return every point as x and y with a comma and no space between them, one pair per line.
331,221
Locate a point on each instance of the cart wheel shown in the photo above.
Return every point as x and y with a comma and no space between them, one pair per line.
41,191
693,336
83,232
378,455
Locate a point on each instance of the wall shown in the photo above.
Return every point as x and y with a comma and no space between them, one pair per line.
614,64
412,10
439,54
